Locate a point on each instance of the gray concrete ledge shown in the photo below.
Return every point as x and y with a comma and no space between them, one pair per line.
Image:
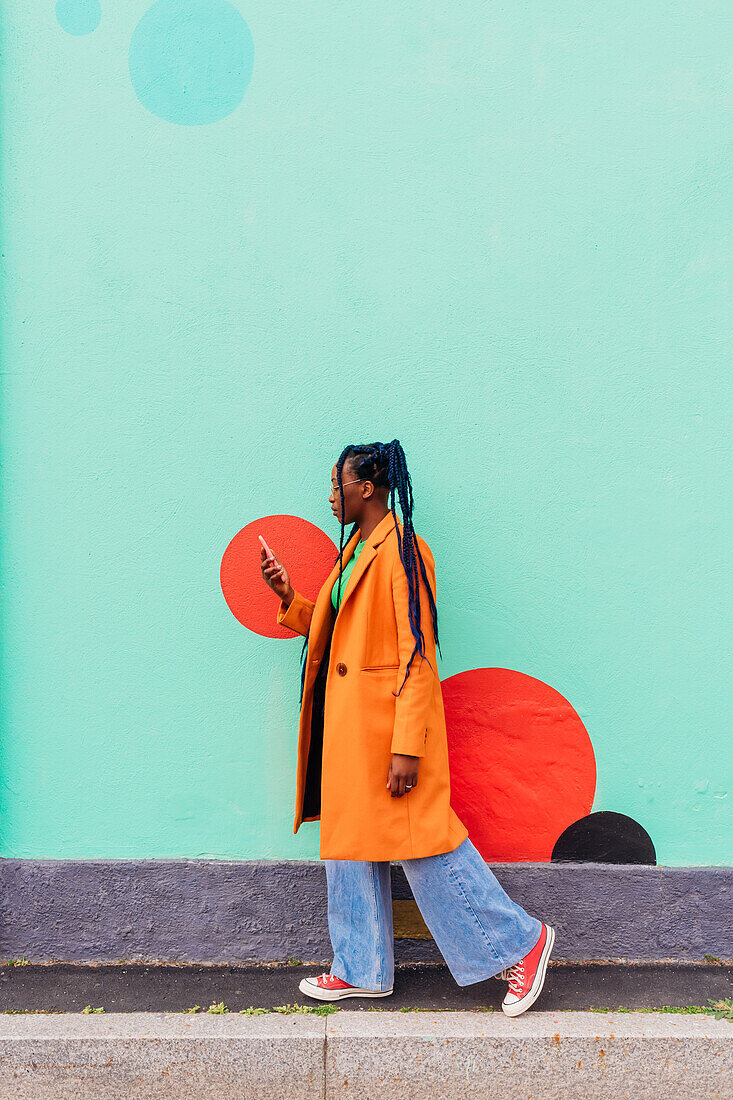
450,1055
221,911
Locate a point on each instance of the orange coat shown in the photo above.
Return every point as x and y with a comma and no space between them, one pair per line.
351,721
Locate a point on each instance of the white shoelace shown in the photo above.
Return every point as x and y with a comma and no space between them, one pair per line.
515,977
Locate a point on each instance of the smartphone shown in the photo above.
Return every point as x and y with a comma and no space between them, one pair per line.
266,548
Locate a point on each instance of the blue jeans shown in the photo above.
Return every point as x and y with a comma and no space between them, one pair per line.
475,924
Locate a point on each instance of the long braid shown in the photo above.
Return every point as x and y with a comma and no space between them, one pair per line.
339,480
303,655
340,560
386,465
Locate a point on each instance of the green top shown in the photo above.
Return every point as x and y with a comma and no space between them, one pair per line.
346,573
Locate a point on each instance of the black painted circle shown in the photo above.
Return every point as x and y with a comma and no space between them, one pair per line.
604,837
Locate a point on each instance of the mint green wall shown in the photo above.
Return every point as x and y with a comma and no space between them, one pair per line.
495,232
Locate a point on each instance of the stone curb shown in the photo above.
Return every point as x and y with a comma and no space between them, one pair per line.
451,1055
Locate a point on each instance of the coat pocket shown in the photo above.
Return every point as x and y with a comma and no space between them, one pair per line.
379,668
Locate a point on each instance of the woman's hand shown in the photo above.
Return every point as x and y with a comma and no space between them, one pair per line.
276,576
402,773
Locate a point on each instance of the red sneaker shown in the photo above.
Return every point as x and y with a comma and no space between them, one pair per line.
327,987
527,976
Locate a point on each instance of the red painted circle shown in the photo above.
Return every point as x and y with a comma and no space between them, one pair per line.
521,762
306,552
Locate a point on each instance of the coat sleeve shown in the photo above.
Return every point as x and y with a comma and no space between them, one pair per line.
413,704
298,616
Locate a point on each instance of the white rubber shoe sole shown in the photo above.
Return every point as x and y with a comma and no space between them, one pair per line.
516,1008
311,988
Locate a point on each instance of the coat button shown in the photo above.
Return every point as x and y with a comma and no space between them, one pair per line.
341,668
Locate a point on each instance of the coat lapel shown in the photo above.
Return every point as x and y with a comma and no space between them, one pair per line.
324,615
366,557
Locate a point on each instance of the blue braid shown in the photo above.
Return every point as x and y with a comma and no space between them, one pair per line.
352,532
385,465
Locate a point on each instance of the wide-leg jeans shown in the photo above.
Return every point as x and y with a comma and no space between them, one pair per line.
477,927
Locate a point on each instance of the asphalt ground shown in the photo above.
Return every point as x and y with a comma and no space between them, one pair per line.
139,987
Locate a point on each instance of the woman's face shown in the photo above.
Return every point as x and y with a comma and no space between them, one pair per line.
352,490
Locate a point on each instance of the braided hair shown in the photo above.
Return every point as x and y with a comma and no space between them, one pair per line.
385,465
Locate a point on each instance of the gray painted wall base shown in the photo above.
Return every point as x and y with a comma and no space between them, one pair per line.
219,911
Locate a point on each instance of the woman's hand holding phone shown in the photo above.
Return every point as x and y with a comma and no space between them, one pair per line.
274,574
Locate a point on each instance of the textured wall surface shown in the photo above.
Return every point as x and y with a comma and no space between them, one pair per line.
233,245
220,911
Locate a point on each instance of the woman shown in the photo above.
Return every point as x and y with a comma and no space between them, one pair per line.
373,754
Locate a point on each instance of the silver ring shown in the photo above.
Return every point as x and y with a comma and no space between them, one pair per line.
408,786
